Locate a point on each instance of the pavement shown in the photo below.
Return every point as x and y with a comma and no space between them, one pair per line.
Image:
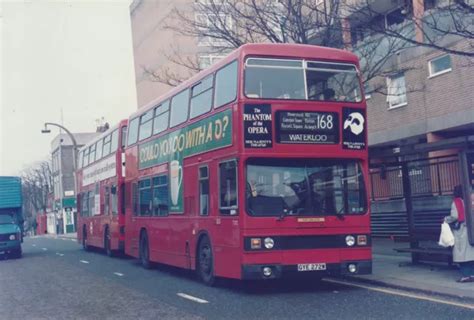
394,270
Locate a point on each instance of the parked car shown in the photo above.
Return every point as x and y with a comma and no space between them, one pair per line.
10,237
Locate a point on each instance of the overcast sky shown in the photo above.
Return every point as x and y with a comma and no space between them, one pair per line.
74,55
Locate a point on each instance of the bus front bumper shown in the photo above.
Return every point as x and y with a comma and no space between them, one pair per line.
345,268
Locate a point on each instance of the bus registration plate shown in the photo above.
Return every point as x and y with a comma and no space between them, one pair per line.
311,266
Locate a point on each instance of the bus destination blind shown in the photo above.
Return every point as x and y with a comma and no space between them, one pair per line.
307,127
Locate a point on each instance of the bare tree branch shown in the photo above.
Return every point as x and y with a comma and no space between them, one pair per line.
223,25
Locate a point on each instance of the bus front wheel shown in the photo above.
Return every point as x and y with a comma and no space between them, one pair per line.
205,263
145,251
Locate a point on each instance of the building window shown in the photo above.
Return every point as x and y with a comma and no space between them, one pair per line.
201,97
209,23
204,191
160,195
206,60
228,187
368,91
162,114
396,91
226,85
439,65
179,108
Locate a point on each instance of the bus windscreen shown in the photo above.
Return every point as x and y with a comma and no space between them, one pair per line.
305,187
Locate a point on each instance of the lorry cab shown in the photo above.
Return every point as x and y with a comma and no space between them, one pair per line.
10,237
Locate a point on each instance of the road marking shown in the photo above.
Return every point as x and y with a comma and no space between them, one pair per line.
187,296
34,245
74,240
84,261
403,294
60,254
119,274
44,249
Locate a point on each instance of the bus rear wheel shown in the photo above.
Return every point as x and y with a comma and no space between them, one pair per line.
205,263
144,251
108,250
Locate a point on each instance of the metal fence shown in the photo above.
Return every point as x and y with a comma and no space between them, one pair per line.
428,177
431,182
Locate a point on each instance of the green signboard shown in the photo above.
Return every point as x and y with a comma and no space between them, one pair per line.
208,134
69,202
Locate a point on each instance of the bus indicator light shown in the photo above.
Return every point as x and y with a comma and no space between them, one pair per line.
362,240
255,243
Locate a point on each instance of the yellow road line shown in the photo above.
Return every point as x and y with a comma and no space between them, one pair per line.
403,294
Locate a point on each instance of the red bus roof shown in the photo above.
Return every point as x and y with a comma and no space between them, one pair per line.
282,50
121,123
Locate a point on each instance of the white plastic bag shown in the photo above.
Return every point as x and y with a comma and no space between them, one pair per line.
446,238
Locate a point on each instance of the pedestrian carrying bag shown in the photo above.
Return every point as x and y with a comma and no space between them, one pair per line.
446,238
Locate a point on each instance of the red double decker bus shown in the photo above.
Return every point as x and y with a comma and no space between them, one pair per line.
100,195
254,169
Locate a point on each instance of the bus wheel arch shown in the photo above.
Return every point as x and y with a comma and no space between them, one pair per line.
144,249
205,259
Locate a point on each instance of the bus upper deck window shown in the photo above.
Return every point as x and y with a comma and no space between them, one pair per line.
333,82
274,78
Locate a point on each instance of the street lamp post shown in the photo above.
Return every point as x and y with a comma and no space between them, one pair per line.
74,142
74,153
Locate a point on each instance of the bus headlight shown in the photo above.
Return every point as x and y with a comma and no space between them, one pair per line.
12,237
350,240
268,243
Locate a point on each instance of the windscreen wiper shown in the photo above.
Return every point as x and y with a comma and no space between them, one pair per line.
340,215
282,215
